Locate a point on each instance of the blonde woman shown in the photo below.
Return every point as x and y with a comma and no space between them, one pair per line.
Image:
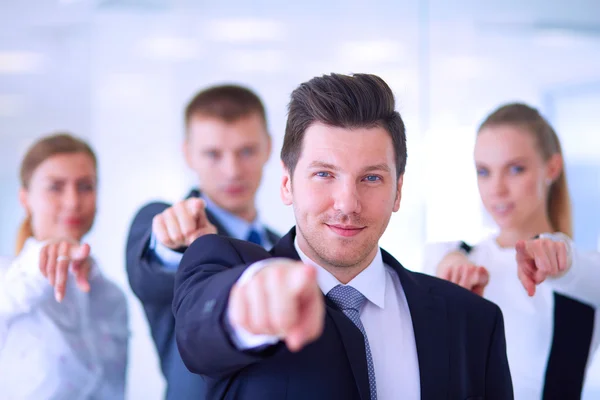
531,268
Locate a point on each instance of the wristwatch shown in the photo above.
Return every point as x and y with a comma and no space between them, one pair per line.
465,248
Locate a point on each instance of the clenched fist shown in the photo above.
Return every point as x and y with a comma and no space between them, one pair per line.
472,277
181,224
282,299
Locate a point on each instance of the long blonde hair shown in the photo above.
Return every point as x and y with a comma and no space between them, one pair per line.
548,144
40,151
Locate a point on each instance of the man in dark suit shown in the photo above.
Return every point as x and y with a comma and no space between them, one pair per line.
327,314
226,145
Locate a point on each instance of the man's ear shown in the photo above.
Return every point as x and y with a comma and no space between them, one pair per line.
398,193
286,186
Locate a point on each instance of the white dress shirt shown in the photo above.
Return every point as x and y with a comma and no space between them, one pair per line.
385,317
76,349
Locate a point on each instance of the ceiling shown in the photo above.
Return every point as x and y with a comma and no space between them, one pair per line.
441,49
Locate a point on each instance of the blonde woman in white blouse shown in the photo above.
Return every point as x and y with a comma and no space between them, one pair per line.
547,289
63,325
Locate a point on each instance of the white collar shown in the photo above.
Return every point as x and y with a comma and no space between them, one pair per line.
369,282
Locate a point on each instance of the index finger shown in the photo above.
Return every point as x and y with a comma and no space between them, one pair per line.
310,310
562,256
195,206
186,220
44,261
52,261
282,303
527,281
524,257
524,250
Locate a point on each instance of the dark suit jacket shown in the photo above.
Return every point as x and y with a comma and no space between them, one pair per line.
459,336
153,285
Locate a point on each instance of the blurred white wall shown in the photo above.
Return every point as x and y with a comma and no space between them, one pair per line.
120,72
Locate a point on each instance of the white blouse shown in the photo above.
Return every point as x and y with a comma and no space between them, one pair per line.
529,321
76,349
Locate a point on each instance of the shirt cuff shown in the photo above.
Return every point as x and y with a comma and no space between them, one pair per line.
241,338
169,258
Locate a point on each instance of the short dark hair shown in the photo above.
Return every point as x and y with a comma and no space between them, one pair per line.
343,101
225,102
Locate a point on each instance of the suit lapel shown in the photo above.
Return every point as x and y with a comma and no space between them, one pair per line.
351,336
285,246
429,318
272,236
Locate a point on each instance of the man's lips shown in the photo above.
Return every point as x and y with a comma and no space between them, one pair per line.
346,230
234,189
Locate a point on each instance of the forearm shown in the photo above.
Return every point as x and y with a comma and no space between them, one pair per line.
151,282
148,276
200,310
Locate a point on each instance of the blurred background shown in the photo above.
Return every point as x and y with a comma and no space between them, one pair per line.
119,73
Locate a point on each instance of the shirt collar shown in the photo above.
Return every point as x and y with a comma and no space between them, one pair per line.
237,227
369,282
